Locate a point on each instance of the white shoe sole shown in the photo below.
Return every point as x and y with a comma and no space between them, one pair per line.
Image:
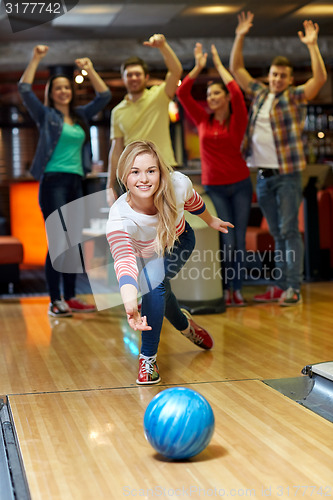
149,383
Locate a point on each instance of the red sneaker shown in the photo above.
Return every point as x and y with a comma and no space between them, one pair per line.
77,305
237,299
227,298
148,370
198,335
273,294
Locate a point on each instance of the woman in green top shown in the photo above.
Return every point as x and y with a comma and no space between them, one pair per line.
62,158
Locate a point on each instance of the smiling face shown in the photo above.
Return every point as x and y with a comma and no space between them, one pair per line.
135,79
217,97
279,78
143,181
61,92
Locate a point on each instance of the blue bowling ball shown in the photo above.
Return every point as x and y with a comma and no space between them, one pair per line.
179,423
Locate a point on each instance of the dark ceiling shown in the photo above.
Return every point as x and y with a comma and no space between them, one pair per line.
110,31
175,18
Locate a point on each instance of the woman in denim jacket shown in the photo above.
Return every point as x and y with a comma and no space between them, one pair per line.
62,158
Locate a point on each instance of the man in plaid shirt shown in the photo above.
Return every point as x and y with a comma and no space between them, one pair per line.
273,144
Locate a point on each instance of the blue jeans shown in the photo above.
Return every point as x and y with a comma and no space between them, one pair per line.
55,190
160,301
233,203
279,198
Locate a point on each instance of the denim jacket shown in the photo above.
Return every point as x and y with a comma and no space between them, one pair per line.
50,122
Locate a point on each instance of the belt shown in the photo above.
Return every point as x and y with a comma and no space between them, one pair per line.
263,173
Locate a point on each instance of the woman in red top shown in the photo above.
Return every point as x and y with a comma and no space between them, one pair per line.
224,173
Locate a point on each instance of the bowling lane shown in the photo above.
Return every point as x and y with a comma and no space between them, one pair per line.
100,351
90,444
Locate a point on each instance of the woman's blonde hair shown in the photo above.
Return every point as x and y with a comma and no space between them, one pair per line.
164,197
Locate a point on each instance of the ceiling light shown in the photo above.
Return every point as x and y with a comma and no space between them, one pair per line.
95,9
316,10
208,10
88,15
79,79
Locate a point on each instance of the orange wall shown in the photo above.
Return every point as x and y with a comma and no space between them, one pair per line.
27,222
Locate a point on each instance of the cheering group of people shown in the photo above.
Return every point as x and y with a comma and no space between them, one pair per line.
149,237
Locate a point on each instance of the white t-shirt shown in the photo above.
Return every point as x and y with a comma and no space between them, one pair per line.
132,234
263,148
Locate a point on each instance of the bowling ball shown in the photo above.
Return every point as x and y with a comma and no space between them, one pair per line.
179,423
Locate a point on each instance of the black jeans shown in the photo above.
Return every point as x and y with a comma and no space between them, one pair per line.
57,189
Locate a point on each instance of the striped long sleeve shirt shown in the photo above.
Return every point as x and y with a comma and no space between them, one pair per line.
131,235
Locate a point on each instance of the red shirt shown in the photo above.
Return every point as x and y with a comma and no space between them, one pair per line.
220,145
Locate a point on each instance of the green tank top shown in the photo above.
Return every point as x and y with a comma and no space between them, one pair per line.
67,155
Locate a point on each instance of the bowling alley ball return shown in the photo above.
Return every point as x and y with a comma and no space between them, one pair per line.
313,391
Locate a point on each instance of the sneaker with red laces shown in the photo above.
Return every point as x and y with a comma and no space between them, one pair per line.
148,370
237,299
227,298
290,297
198,335
273,294
77,305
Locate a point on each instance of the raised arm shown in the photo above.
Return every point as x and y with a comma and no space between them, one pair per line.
226,77
171,61
236,63
319,74
39,52
96,81
192,107
116,149
200,61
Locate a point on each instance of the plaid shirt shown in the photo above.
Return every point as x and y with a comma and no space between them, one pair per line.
287,119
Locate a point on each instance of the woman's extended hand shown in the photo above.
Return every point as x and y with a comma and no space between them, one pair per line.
136,321
199,56
216,58
220,224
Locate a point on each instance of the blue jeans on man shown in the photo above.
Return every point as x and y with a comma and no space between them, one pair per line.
279,198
